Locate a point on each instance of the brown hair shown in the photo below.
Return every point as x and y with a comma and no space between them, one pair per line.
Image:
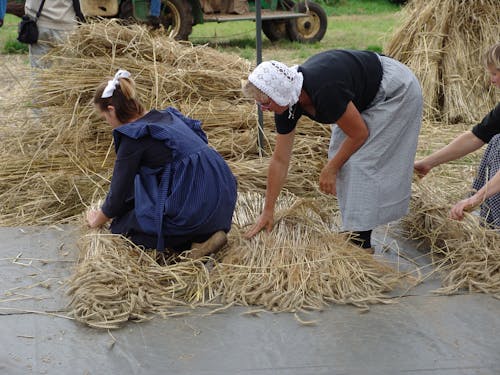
492,57
124,99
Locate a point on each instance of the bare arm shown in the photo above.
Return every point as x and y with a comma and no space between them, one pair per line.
492,187
463,145
354,127
276,176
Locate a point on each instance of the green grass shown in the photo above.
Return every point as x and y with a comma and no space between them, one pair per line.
8,35
350,31
349,7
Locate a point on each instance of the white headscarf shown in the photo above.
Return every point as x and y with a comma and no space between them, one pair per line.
281,83
111,86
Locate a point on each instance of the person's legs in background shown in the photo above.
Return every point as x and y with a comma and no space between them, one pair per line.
3,8
47,38
154,13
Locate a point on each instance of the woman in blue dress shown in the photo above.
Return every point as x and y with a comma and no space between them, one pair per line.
169,189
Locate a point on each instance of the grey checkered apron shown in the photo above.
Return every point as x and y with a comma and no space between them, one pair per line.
490,165
374,185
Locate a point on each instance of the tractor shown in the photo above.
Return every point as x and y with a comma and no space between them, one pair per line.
304,22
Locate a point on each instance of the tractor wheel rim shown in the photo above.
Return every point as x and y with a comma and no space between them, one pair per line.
175,19
309,26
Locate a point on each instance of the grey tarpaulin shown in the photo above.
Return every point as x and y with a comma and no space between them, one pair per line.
420,334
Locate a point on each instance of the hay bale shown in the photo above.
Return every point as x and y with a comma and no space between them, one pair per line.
443,42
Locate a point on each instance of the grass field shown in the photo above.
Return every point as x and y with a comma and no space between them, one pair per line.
357,24
369,31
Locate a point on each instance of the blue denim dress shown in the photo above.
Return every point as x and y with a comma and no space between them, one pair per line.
187,200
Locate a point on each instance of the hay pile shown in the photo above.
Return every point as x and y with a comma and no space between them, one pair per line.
59,159
443,42
465,252
291,270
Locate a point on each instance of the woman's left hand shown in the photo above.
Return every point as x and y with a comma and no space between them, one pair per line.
328,180
96,218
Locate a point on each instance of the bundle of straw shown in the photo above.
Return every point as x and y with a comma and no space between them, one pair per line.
466,251
443,42
303,264
116,281
166,71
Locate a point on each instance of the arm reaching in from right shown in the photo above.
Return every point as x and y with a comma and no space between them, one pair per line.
276,176
492,187
463,145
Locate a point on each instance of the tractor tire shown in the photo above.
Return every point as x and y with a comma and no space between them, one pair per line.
308,29
15,8
274,29
177,18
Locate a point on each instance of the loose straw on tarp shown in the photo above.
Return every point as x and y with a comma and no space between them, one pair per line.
302,265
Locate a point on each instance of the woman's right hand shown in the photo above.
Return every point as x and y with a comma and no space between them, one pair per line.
265,220
421,168
465,205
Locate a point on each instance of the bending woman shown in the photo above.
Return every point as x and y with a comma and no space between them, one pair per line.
169,188
375,106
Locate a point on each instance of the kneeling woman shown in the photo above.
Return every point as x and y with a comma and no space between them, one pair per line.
169,190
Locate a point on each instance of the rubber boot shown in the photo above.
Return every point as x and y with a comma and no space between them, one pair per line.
210,246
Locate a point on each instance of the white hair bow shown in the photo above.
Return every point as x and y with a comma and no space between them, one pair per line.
111,86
